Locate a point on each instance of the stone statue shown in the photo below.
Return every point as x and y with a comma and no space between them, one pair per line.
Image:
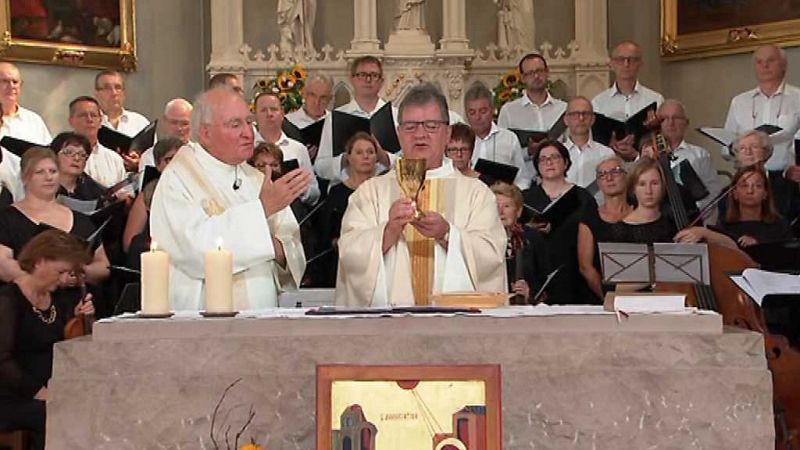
296,21
410,15
515,24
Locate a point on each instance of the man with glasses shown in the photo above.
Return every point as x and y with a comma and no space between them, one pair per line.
317,96
673,127
395,251
584,152
17,122
536,110
209,197
366,77
109,90
627,96
492,142
175,122
104,165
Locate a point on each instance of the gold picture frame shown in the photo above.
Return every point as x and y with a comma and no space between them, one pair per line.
78,37
689,32
402,407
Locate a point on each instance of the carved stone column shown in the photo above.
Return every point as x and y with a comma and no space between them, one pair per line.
227,37
591,36
365,28
454,35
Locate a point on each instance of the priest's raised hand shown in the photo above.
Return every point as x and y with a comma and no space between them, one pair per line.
280,193
400,213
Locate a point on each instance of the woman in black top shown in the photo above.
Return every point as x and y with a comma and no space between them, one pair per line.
595,226
361,156
646,223
73,150
751,217
24,219
552,161
33,314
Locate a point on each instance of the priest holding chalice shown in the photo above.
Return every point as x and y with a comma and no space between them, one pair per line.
422,228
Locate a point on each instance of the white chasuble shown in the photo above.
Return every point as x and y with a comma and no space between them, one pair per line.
473,260
195,206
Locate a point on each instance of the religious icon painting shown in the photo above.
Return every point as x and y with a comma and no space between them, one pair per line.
401,407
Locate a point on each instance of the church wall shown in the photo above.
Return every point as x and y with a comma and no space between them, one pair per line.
705,86
171,48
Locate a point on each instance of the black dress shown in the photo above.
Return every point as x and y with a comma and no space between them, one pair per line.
561,244
325,268
16,229
85,189
761,231
659,230
602,231
26,357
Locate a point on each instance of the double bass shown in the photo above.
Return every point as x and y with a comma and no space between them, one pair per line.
737,309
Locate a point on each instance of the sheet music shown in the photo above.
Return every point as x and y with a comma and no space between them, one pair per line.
759,283
87,207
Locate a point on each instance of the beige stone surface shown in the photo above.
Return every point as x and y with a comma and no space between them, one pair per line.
571,390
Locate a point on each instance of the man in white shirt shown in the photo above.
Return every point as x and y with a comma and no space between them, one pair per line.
536,110
175,122
626,96
774,102
103,165
366,76
18,122
584,153
109,90
269,118
209,193
492,142
317,96
673,127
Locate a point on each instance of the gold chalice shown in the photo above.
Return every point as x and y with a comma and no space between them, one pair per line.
411,177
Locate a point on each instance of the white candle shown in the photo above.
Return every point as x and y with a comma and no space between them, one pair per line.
155,281
219,280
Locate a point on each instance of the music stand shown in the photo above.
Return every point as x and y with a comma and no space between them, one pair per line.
651,263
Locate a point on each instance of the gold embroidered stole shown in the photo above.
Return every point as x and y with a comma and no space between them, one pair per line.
421,248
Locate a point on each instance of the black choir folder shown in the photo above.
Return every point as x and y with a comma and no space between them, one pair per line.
493,172
308,136
558,210
727,137
16,146
605,128
555,132
123,144
381,125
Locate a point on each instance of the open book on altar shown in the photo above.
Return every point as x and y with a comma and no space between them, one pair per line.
761,284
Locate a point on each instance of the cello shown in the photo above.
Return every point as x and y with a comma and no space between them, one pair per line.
737,309
81,324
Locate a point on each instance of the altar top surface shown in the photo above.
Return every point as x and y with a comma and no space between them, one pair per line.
510,320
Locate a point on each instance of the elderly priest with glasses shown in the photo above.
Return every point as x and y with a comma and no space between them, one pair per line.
209,193
395,252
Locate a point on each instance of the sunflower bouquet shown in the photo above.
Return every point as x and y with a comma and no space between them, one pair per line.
510,87
287,84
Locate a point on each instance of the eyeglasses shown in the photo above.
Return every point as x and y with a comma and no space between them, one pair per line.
626,59
535,72
583,114
74,153
749,148
237,123
88,115
610,173
111,87
460,151
549,159
429,125
368,76
178,123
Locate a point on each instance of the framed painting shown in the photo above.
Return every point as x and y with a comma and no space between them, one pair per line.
455,407
84,33
701,28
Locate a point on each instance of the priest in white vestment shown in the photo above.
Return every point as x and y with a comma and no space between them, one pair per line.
389,258
209,193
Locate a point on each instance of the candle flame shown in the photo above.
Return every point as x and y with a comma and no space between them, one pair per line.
219,243
153,246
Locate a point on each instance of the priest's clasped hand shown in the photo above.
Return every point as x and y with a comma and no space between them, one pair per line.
400,213
432,225
278,194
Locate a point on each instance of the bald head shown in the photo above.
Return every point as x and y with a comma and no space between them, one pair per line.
626,60
176,120
222,124
10,87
